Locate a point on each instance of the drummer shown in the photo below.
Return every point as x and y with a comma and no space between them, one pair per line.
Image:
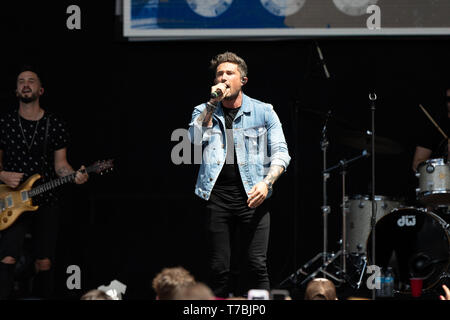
434,145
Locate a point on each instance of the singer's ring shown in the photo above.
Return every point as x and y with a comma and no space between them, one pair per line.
372,98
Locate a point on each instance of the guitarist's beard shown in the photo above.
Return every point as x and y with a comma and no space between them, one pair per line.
29,99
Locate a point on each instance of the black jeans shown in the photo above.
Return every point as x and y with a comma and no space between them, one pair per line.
43,226
249,230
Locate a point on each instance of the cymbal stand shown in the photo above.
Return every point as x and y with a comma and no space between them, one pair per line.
344,222
324,143
373,222
343,165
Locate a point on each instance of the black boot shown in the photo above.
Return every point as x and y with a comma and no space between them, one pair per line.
43,284
6,280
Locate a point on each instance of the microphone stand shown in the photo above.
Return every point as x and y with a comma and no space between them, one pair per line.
327,258
372,99
324,143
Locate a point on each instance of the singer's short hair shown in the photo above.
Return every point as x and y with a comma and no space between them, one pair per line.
229,57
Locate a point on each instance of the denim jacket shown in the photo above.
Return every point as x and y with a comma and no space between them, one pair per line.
258,140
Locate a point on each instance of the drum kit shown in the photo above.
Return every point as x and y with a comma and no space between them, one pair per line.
413,240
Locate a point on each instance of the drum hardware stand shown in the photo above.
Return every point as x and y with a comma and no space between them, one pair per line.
373,221
360,270
344,221
324,143
343,165
323,268
358,284
330,258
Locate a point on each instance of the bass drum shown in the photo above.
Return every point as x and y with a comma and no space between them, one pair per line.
415,243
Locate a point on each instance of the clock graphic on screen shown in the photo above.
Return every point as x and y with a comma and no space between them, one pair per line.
283,7
209,8
353,7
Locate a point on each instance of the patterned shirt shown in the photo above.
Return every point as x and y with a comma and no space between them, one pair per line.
22,142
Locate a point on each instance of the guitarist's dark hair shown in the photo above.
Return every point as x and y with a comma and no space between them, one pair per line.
32,68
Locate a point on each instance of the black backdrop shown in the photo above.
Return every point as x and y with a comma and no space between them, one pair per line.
123,100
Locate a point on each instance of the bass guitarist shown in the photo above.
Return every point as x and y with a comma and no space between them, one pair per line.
32,141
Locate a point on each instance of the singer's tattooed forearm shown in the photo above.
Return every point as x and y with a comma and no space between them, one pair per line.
205,117
274,173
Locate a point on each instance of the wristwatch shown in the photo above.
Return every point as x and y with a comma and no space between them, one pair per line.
269,184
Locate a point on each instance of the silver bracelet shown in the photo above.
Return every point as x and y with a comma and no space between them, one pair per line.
210,107
268,184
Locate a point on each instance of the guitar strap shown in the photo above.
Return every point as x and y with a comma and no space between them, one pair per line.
46,135
44,155
44,150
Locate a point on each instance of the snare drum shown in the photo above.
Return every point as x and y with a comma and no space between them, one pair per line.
434,182
415,243
358,217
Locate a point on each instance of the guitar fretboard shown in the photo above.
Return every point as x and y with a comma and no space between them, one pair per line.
51,185
56,183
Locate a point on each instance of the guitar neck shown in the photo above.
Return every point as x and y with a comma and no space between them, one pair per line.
56,183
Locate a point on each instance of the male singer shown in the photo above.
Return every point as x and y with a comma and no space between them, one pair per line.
244,153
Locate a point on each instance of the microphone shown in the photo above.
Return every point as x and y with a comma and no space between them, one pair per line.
216,93
327,74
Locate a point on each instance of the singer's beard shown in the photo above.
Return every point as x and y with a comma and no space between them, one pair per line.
232,96
29,99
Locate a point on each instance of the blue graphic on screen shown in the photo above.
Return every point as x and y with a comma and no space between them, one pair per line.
211,14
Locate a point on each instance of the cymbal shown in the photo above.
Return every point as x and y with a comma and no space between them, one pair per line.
333,118
363,141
